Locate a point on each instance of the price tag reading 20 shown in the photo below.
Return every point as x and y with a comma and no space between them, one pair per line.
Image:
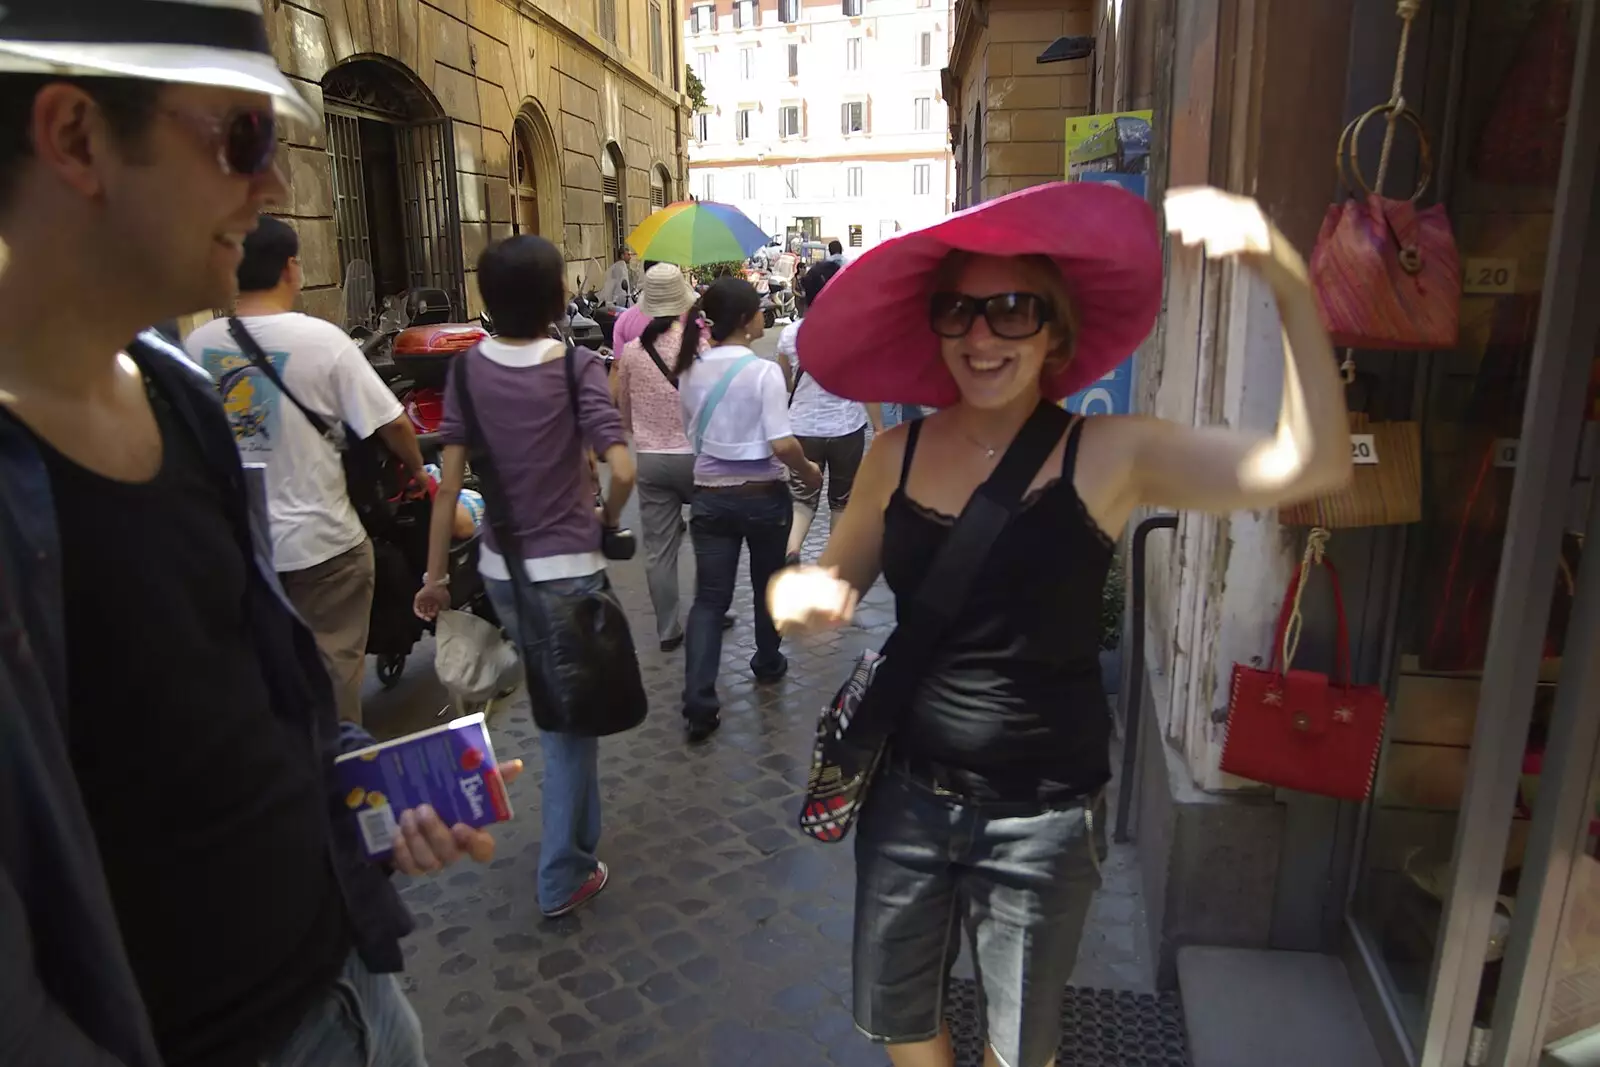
1363,450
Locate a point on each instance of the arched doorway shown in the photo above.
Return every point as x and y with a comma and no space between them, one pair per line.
613,191
535,174
394,180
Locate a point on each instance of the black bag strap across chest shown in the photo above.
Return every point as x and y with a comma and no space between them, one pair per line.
911,649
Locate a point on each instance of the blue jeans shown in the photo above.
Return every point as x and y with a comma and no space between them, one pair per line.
569,798
723,522
364,1021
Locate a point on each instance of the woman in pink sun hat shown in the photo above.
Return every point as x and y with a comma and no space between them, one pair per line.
994,522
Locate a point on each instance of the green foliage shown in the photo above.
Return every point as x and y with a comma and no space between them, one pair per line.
695,88
709,272
1111,603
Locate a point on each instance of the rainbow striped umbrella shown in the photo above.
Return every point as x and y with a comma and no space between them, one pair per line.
696,232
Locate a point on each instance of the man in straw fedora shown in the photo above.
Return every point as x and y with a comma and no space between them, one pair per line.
179,882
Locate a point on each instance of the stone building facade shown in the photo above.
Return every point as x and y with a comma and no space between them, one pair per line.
452,123
1008,112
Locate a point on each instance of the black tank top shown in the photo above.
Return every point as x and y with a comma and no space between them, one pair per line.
1013,696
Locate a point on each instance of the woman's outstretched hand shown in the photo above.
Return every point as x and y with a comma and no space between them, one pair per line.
810,598
1233,226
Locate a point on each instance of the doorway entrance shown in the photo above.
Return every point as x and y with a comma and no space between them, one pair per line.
394,181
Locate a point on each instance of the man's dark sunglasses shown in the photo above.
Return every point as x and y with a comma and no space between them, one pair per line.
246,138
1013,316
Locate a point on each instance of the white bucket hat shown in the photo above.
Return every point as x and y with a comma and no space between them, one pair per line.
665,294
192,42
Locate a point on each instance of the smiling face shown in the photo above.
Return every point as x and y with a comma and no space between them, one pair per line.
992,370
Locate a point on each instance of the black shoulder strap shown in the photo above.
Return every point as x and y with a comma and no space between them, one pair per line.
571,360
912,431
1069,455
261,361
944,589
799,372
649,347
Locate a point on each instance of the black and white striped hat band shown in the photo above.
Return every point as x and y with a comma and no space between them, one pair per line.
231,25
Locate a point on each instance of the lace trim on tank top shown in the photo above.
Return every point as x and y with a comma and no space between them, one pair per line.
1034,495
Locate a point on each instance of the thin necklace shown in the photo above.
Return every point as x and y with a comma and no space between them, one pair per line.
988,452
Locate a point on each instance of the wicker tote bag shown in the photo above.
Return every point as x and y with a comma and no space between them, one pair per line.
1386,488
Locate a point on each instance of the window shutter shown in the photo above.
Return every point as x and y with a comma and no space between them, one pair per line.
844,118
612,187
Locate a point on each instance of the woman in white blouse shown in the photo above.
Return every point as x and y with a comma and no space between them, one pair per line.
831,429
735,412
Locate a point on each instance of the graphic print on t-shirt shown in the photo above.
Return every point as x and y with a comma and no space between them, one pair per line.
253,403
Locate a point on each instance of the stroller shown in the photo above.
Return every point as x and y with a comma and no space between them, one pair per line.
400,552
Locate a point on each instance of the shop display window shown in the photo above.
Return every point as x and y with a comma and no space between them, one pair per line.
1502,206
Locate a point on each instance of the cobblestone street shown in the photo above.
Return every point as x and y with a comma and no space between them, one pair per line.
724,936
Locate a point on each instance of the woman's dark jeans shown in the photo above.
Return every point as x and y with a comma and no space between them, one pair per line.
722,521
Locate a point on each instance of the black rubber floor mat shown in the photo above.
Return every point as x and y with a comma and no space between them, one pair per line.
1100,1028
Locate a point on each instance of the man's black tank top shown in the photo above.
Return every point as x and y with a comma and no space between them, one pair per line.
1013,697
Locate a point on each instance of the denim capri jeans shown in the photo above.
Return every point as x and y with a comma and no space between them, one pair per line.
1017,877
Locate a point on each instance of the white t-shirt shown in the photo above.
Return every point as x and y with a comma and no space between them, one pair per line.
753,412
815,412
312,517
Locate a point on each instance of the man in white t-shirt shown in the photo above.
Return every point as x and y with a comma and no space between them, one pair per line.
323,556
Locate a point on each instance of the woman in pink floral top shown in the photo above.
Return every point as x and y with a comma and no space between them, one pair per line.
647,394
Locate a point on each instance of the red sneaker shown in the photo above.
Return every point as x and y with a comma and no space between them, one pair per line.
586,892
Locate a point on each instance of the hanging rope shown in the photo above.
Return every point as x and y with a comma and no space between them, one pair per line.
1408,11
1316,545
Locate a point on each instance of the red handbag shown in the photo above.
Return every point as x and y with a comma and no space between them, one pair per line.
1299,729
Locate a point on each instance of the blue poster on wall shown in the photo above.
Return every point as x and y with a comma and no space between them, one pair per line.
1134,183
1111,395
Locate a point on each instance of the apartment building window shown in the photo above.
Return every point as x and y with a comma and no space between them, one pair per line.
924,49
702,65
746,13
788,10
794,61
708,185
854,181
747,63
922,113
702,127
924,3
789,120
741,123
921,179
791,183
749,185
657,51
608,20
852,8
852,54
855,237
853,117
703,18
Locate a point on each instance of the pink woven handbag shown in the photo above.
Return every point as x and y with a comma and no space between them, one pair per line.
1387,273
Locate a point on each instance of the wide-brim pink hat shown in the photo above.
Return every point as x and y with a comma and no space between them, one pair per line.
867,336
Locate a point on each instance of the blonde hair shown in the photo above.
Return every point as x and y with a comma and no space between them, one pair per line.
1052,286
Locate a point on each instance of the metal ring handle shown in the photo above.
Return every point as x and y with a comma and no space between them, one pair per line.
1352,138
